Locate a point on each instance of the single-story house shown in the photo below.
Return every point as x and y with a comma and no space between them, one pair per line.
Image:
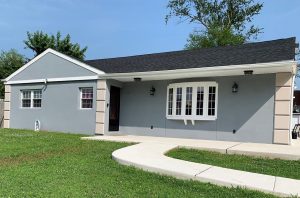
233,93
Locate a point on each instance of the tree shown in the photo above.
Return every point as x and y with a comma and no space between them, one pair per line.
224,22
10,61
39,41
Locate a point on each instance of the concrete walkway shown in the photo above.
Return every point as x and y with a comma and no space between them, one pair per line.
149,156
286,152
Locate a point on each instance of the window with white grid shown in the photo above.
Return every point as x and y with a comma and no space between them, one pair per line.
193,101
200,100
170,101
86,98
178,100
211,101
31,98
188,101
37,98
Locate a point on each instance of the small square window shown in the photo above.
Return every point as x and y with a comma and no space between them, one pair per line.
86,98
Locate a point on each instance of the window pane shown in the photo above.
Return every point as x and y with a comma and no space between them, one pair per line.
200,97
37,103
86,98
87,93
37,94
211,101
86,103
170,101
178,101
188,104
26,103
26,94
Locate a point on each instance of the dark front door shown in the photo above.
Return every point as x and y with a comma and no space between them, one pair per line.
114,108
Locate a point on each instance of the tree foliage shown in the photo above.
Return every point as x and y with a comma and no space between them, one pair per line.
10,61
224,22
39,41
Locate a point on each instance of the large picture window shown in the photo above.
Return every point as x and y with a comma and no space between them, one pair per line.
31,98
86,98
192,101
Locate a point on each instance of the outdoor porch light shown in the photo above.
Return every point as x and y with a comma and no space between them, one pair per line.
248,72
152,91
235,87
137,79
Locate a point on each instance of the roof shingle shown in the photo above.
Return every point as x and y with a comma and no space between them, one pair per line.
250,53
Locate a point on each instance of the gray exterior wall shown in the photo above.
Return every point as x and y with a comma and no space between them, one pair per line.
52,66
250,111
60,109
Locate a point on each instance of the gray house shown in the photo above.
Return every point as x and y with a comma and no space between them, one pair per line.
234,93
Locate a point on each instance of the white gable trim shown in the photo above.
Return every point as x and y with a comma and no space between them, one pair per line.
68,58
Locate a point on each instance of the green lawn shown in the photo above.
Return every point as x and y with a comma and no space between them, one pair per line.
276,167
41,164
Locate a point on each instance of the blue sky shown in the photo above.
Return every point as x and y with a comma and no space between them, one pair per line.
112,28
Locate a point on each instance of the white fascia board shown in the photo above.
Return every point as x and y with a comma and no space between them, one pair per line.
49,50
80,78
202,69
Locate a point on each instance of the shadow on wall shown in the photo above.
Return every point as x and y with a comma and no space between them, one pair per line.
249,111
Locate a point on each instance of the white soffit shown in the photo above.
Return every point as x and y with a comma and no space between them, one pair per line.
232,70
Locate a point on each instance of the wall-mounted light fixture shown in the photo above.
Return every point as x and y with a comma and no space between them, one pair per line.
137,79
248,72
152,91
235,87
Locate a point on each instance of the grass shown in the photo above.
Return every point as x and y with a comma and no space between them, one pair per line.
276,167
41,164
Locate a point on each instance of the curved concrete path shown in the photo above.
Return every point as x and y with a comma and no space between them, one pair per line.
149,155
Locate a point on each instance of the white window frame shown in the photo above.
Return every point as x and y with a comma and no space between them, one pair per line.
194,86
80,103
31,98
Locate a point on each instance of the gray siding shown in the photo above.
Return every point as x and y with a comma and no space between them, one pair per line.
52,66
60,108
250,111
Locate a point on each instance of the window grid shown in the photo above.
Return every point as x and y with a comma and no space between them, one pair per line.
200,100
211,101
178,100
192,101
31,99
170,101
37,98
86,98
188,102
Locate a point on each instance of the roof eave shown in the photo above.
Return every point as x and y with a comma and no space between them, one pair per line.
231,70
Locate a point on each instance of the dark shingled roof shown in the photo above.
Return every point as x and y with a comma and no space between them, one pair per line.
250,53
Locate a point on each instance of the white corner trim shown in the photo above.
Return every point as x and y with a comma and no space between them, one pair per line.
52,80
49,50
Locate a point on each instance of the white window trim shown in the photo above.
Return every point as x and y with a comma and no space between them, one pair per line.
192,117
31,98
80,98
